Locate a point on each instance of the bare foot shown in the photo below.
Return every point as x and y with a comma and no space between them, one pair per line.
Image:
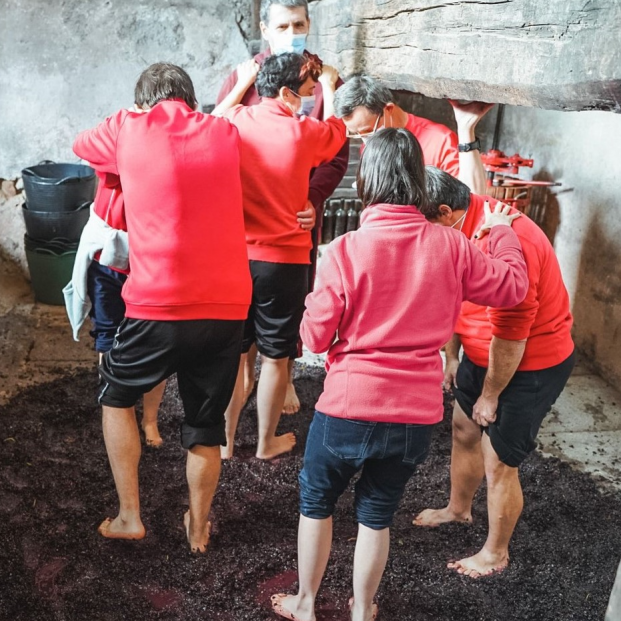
292,403
290,607
277,446
481,564
370,616
226,452
152,434
435,517
199,540
118,529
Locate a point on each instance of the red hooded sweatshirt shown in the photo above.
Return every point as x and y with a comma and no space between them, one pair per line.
180,175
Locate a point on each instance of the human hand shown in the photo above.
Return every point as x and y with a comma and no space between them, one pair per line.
484,410
467,115
329,76
247,73
307,217
500,216
450,373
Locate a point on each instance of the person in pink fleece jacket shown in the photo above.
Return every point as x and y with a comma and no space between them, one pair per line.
386,300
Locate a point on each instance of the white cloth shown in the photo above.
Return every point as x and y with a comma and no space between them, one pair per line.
114,246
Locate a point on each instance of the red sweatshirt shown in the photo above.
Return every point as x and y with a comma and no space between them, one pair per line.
438,142
180,175
327,176
543,318
386,300
278,152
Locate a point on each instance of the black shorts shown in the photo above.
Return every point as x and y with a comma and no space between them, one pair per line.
522,405
278,294
204,353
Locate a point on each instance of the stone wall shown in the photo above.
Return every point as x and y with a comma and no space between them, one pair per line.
66,65
555,54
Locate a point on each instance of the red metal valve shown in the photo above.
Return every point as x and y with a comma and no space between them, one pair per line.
497,161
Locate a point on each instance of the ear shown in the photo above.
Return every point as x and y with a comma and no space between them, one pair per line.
263,28
284,93
389,107
446,215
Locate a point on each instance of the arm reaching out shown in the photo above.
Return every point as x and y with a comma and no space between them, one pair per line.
246,76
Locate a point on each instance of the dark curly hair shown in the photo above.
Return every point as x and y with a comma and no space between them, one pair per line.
288,69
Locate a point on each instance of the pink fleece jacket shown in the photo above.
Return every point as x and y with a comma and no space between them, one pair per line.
386,300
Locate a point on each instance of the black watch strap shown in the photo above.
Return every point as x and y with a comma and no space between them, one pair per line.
470,146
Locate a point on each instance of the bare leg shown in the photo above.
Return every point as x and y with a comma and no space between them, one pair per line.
203,473
314,544
270,399
504,506
249,373
122,440
234,410
292,403
151,405
467,471
370,558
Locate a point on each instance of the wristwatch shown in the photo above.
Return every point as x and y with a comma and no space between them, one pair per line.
470,146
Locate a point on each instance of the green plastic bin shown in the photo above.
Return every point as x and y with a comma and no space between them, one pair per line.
49,273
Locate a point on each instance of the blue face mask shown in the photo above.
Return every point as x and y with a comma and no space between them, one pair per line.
286,42
308,103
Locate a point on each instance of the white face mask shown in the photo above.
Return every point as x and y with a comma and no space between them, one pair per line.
307,103
286,42
458,221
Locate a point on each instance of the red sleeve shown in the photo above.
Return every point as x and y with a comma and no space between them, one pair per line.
449,159
227,87
327,138
324,306
500,279
514,323
98,145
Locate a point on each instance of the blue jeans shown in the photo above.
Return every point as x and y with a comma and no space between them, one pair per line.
104,287
337,448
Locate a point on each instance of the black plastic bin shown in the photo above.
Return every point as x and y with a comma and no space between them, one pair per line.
46,225
58,187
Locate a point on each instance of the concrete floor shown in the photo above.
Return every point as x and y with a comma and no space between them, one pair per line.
584,427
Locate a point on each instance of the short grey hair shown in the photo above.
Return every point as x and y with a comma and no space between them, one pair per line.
361,90
290,4
444,189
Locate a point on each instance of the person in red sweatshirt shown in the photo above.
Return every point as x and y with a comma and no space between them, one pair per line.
279,148
104,285
285,25
366,106
189,288
516,363
386,300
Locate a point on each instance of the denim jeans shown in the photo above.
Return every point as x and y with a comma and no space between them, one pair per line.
337,448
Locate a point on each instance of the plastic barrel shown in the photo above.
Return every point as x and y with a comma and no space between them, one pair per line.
46,225
49,273
58,187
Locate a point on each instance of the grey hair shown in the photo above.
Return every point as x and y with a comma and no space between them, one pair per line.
444,189
361,90
290,4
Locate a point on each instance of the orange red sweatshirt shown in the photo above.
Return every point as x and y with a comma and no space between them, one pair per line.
180,175
438,142
278,152
543,318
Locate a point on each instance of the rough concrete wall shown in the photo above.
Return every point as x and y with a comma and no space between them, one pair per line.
582,217
66,65
556,54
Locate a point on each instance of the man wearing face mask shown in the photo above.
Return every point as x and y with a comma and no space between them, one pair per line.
279,148
366,106
284,26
